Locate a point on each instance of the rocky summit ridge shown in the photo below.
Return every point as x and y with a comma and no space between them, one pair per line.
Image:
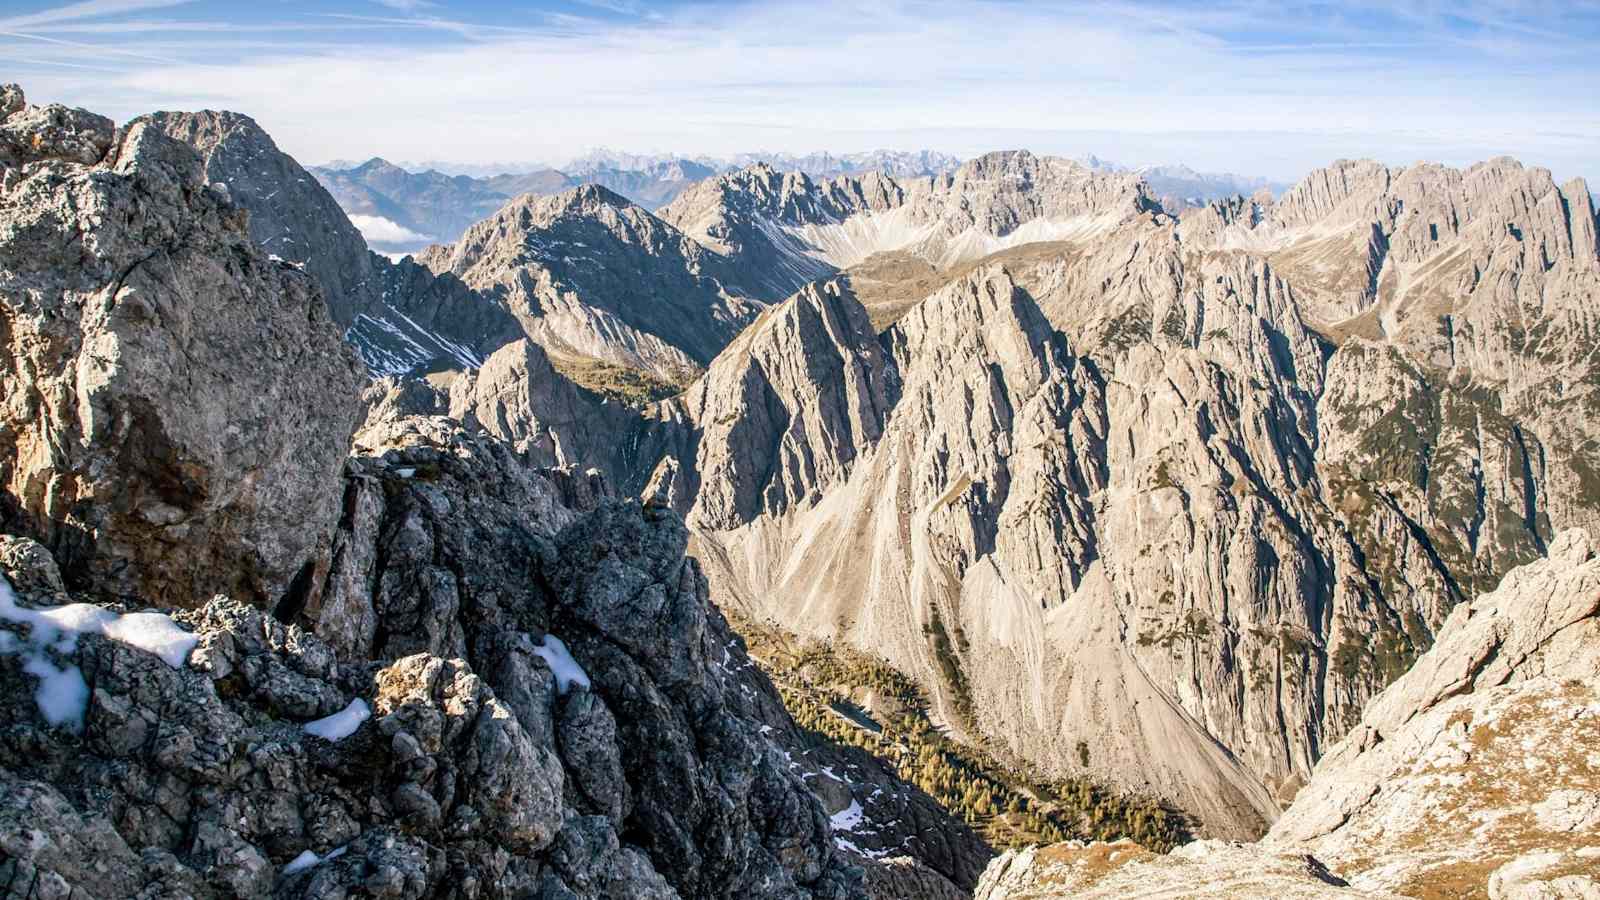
1473,774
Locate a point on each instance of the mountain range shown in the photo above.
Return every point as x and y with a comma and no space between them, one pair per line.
401,208
1086,383
977,491
1057,504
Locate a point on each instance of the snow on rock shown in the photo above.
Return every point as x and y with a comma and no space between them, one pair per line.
62,694
843,844
341,724
153,633
562,665
308,859
848,818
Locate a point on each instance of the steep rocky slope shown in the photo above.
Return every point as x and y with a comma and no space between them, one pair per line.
399,317
435,737
1472,775
176,403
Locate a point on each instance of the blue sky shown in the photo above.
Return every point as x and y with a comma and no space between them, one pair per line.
1257,87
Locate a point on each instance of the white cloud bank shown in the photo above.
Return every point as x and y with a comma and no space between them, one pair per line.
387,231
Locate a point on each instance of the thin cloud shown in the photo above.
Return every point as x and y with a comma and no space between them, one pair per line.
96,48
88,9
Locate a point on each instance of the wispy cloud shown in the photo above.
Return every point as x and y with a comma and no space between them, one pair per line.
88,9
99,49
406,5
1241,84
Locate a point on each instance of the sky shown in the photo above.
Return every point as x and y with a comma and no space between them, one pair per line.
1262,88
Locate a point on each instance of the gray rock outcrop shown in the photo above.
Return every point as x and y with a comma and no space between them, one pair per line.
509,691
1217,870
400,317
1472,769
176,404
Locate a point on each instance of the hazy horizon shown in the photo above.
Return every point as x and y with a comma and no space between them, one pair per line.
1244,87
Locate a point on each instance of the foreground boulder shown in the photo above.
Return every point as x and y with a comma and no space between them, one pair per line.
176,405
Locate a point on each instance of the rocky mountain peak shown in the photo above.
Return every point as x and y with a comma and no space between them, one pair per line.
187,400
399,317
598,280
809,380
30,133
379,166
292,217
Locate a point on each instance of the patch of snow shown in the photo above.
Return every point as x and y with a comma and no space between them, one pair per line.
562,665
406,472
308,859
341,724
153,633
62,694
843,844
849,818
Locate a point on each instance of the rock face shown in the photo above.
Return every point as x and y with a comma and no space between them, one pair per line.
518,397
398,316
291,216
176,404
516,687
